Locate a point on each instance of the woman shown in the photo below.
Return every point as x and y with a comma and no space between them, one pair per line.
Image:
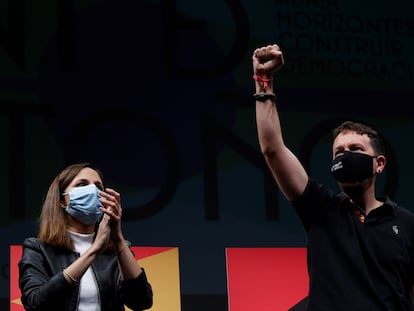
80,259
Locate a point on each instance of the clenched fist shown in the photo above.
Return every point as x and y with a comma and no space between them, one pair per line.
267,60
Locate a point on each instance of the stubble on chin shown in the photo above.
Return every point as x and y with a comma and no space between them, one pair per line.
357,188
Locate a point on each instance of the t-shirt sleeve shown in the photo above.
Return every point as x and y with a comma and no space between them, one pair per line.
312,204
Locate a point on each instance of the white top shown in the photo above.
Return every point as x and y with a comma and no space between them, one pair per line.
88,293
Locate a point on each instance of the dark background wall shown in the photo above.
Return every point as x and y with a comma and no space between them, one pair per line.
158,95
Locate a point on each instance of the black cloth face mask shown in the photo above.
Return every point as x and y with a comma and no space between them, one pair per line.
351,167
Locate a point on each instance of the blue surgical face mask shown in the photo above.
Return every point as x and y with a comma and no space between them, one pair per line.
84,204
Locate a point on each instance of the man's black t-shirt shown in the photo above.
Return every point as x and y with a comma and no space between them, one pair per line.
356,262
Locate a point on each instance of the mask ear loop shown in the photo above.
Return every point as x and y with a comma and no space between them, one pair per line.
62,202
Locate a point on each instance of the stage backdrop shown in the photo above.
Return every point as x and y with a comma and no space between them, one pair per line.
158,94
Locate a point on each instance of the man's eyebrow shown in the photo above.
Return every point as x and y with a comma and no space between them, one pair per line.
357,145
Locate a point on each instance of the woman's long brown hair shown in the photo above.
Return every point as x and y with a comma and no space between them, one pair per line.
53,224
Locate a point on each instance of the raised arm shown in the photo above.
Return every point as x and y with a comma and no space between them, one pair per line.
288,172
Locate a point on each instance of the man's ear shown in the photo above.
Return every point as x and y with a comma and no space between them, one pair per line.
381,161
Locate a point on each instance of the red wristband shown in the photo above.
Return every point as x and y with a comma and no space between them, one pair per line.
263,80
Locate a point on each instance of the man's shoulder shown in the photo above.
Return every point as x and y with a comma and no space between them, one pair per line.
400,210
405,211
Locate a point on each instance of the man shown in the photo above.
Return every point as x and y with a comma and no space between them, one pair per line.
360,246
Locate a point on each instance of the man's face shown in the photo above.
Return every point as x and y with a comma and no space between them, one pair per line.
351,141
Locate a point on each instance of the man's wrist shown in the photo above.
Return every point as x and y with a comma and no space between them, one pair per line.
262,97
264,82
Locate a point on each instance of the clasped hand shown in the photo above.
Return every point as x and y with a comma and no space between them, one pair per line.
110,226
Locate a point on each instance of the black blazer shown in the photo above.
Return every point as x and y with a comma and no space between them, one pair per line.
44,287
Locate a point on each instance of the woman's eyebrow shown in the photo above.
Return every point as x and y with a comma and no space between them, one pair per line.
81,180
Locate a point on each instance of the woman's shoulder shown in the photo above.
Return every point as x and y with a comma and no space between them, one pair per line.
32,242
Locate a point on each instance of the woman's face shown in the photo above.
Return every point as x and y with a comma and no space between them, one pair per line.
85,177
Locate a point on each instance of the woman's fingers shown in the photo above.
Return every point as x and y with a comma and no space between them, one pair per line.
111,201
